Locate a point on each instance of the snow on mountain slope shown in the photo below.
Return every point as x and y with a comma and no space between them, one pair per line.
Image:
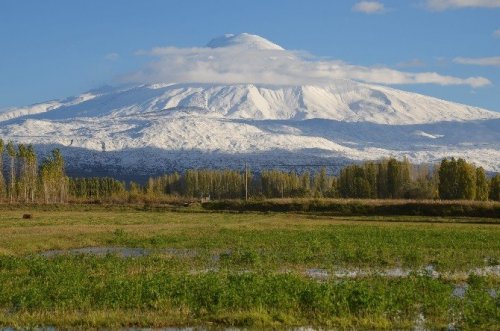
44,107
248,119
244,39
347,120
120,141
343,101
165,126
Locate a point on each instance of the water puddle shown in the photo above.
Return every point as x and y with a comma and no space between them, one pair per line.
317,273
420,323
429,271
460,290
120,251
314,273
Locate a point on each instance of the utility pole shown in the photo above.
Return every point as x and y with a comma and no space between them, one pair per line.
246,181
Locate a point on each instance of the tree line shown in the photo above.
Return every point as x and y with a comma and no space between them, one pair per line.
452,179
23,179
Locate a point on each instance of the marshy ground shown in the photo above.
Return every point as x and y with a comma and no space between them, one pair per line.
97,266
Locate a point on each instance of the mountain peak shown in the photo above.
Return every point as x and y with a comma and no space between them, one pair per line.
247,40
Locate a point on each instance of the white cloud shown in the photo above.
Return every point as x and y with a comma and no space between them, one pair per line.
112,56
493,61
439,5
369,7
239,65
496,34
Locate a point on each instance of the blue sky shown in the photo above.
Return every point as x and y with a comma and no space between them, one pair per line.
54,48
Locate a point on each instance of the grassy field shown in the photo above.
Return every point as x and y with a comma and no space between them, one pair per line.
195,268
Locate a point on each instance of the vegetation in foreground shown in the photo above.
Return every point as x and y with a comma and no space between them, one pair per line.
245,270
72,291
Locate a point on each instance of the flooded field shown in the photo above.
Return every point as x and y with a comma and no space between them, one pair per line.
320,274
131,269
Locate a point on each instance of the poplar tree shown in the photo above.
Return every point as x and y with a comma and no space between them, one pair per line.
53,178
382,190
398,177
495,188
457,180
2,179
466,180
32,172
23,173
447,183
423,183
305,182
321,183
393,175
370,174
11,151
358,181
94,188
481,185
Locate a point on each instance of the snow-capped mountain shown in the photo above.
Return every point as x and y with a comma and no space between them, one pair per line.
161,127
243,40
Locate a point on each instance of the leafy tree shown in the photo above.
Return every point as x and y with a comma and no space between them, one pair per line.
370,170
135,188
457,180
466,180
482,186
2,179
357,181
321,184
382,189
32,172
495,188
423,183
398,178
23,173
94,188
447,179
11,151
53,178
305,182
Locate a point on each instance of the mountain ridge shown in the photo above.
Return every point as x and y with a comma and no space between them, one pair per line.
349,101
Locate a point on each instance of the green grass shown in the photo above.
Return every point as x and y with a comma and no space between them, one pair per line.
88,285
273,241
247,269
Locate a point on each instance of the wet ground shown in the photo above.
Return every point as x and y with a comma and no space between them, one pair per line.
320,274
120,251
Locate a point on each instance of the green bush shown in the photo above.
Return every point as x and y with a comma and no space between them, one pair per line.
363,207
